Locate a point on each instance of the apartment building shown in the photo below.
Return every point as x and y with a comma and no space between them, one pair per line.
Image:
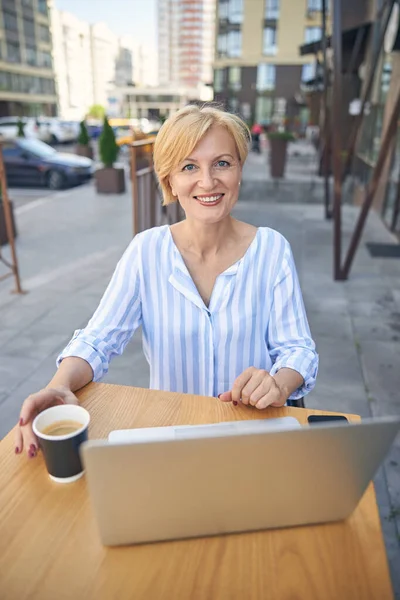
186,35
73,64
26,66
258,70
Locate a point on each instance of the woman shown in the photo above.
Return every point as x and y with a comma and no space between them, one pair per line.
218,300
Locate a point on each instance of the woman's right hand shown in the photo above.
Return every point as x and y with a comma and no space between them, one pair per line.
32,406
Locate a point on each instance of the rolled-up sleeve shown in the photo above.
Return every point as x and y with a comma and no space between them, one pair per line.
116,319
289,339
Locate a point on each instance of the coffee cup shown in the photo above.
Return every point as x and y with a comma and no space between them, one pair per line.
60,431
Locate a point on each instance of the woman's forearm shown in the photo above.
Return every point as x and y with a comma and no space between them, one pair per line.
73,373
288,381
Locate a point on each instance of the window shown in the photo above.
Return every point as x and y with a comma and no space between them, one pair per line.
28,3
272,9
44,33
10,21
222,44
313,34
31,56
13,52
42,6
235,11
235,82
308,72
29,28
234,43
219,80
223,9
264,109
10,150
265,77
233,104
269,41
314,5
44,60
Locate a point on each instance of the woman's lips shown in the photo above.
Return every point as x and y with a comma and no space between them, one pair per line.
209,200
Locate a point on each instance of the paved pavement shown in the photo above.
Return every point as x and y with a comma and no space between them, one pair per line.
70,241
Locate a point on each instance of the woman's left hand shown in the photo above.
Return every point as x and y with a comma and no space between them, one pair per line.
255,387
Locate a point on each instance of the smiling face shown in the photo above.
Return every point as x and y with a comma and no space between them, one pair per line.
207,182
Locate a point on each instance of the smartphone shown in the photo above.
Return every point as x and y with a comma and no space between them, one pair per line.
325,419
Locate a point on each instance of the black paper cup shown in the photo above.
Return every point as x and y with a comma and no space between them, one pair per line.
61,452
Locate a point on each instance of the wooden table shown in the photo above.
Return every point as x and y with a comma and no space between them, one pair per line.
50,548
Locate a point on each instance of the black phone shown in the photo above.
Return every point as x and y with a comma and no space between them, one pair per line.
325,418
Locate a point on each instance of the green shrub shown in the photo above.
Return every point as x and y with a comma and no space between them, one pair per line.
83,137
20,128
281,135
108,147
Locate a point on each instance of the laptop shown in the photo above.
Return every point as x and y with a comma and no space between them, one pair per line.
191,481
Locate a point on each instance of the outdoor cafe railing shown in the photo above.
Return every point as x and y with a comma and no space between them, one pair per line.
148,210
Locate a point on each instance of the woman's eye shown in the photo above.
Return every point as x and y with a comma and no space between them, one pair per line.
223,163
188,168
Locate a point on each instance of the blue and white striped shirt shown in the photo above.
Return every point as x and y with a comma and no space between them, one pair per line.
255,317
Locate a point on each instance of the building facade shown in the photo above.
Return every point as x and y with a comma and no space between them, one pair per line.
186,42
258,71
27,86
73,64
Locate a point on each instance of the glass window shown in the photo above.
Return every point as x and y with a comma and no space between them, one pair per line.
222,44
44,33
42,6
219,80
233,104
265,77
234,43
312,34
36,147
10,21
235,81
314,5
264,110
29,28
45,60
13,52
28,3
272,9
235,11
5,80
31,56
10,150
269,41
308,72
223,9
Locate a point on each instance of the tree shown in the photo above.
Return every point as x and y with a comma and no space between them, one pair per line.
107,145
83,137
97,111
20,128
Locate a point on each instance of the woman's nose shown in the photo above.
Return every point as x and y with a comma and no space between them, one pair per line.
206,179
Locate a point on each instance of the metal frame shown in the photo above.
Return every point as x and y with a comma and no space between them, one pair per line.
340,170
13,266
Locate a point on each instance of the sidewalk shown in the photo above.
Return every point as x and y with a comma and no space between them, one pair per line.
70,242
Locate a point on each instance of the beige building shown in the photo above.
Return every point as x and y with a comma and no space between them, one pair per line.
27,84
258,70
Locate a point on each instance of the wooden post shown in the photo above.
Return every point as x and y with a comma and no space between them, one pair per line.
135,193
9,227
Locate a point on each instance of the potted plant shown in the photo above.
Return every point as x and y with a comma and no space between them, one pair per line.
109,179
278,141
83,147
20,128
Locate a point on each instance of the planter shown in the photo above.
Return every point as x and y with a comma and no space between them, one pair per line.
3,230
110,180
277,157
83,150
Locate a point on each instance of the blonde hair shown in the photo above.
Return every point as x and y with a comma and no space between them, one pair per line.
182,132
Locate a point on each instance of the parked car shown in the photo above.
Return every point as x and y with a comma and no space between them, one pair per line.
33,128
32,162
61,131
